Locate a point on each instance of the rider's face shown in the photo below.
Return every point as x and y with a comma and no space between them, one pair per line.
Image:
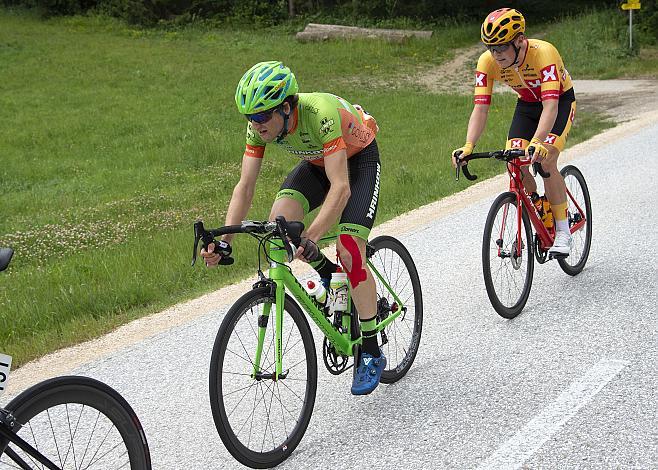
271,129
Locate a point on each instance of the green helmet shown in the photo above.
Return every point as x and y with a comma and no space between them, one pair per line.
264,86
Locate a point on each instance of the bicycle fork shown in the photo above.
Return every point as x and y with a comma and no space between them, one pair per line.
278,256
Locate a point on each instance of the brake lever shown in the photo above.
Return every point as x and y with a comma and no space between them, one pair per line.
198,230
221,247
539,169
468,174
283,233
457,166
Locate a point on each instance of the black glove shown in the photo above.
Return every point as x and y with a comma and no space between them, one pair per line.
311,251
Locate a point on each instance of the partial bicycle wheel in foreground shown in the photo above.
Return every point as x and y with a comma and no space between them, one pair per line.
77,423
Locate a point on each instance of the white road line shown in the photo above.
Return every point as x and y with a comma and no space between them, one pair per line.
532,436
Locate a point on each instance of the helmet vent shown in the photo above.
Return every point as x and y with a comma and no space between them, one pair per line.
266,73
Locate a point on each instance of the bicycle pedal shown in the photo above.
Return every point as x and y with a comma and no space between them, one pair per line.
557,256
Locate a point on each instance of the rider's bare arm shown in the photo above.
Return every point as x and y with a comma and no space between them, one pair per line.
476,125
243,193
477,122
339,193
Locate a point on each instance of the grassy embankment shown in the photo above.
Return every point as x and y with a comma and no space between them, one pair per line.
116,139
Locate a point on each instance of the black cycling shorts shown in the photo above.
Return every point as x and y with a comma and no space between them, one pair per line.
308,184
526,119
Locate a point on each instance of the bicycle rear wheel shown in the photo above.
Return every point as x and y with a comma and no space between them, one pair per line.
394,263
78,423
507,276
260,420
582,239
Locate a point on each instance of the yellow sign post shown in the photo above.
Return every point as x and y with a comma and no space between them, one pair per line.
630,6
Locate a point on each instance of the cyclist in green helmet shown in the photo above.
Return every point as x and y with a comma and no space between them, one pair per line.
339,171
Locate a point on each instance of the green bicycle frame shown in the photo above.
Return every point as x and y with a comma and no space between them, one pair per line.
281,275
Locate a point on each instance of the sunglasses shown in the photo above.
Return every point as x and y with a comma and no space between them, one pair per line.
500,48
261,118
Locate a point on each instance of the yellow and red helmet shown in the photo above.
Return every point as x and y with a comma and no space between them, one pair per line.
502,26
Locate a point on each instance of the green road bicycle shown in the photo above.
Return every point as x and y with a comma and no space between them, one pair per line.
263,370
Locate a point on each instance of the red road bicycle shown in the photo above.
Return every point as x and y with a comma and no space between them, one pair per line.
509,246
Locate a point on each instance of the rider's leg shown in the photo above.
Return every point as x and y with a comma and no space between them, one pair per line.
307,185
355,223
290,208
353,259
555,187
529,182
371,362
557,195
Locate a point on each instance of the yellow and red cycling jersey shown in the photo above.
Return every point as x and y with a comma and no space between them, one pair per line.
542,75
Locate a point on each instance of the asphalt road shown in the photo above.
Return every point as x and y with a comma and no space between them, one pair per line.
571,382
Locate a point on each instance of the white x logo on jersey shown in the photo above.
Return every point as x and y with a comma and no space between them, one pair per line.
516,143
549,74
550,139
480,79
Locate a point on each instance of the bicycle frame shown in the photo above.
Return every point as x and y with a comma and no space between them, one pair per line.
516,186
7,435
280,274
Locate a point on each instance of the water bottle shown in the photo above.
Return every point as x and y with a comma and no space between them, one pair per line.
543,209
339,291
547,215
317,291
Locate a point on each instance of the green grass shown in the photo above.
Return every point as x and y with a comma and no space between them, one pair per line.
116,139
596,46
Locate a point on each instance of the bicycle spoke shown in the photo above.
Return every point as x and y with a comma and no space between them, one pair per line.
283,416
52,429
243,396
248,359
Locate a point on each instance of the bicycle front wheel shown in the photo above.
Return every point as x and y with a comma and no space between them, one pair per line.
261,420
392,261
579,207
78,423
507,269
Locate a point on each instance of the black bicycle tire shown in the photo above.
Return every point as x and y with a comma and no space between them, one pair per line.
89,392
232,443
382,242
502,310
563,262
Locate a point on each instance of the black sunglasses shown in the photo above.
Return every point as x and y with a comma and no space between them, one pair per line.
263,117
499,48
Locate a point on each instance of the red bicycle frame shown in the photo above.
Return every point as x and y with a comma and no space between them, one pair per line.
546,236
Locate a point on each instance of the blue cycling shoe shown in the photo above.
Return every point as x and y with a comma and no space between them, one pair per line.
368,374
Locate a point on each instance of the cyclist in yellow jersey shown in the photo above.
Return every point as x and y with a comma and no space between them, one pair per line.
544,112
339,171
